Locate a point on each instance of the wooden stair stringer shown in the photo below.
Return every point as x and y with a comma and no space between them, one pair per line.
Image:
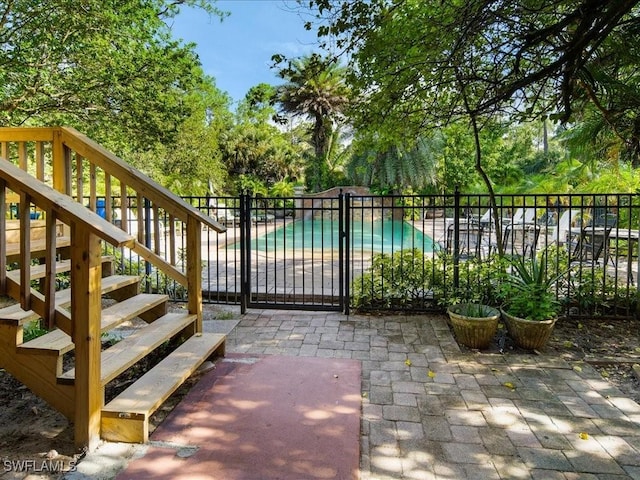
126,417
39,373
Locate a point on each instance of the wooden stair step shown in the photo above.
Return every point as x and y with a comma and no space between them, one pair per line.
40,271
15,315
109,284
56,342
130,308
38,247
126,417
136,346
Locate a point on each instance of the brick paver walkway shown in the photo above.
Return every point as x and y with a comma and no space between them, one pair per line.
432,412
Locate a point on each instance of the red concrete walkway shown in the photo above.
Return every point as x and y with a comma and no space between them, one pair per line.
262,417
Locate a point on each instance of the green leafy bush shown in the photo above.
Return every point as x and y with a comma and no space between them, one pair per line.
33,330
479,280
401,280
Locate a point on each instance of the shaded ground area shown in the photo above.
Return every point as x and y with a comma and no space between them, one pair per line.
611,346
30,430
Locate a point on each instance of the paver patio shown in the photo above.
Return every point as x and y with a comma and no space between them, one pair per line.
432,412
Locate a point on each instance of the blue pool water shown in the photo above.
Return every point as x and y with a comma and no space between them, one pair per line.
380,236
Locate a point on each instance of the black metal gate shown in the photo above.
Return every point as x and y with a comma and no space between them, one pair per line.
293,253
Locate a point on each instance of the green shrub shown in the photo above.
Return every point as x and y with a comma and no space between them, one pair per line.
530,288
401,280
478,280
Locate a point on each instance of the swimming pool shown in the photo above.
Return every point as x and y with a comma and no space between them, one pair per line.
380,236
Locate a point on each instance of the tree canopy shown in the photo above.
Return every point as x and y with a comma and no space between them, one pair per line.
424,63
109,68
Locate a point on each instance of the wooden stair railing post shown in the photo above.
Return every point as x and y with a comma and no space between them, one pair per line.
25,251
86,275
50,274
194,269
3,245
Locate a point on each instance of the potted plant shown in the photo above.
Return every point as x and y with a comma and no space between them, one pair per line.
530,307
474,324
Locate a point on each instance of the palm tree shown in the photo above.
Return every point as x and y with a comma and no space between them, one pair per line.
315,89
396,166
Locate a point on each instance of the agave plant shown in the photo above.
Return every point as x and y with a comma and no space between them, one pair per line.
529,288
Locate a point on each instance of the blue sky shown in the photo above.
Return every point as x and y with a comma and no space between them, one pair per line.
237,51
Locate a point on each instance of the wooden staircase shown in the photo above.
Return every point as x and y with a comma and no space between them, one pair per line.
98,300
39,363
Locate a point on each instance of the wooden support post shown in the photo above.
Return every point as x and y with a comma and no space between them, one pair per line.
25,251
86,273
50,277
61,161
3,245
194,269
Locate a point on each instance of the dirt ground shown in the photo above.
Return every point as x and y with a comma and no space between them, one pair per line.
33,433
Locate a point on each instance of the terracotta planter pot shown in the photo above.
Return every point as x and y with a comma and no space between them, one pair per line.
474,332
530,334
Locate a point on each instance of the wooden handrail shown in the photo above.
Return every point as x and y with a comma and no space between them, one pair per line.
27,134
113,165
73,157
63,206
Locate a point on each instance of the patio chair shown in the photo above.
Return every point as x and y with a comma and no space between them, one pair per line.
521,239
486,218
516,218
605,220
587,248
559,233
469,239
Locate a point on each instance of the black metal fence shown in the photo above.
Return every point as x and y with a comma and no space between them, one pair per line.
339,251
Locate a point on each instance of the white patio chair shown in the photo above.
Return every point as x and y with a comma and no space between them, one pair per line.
559,233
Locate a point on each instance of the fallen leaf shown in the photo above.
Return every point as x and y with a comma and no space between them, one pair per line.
604,373
509,385
584,435
577,368
407,362
431,374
